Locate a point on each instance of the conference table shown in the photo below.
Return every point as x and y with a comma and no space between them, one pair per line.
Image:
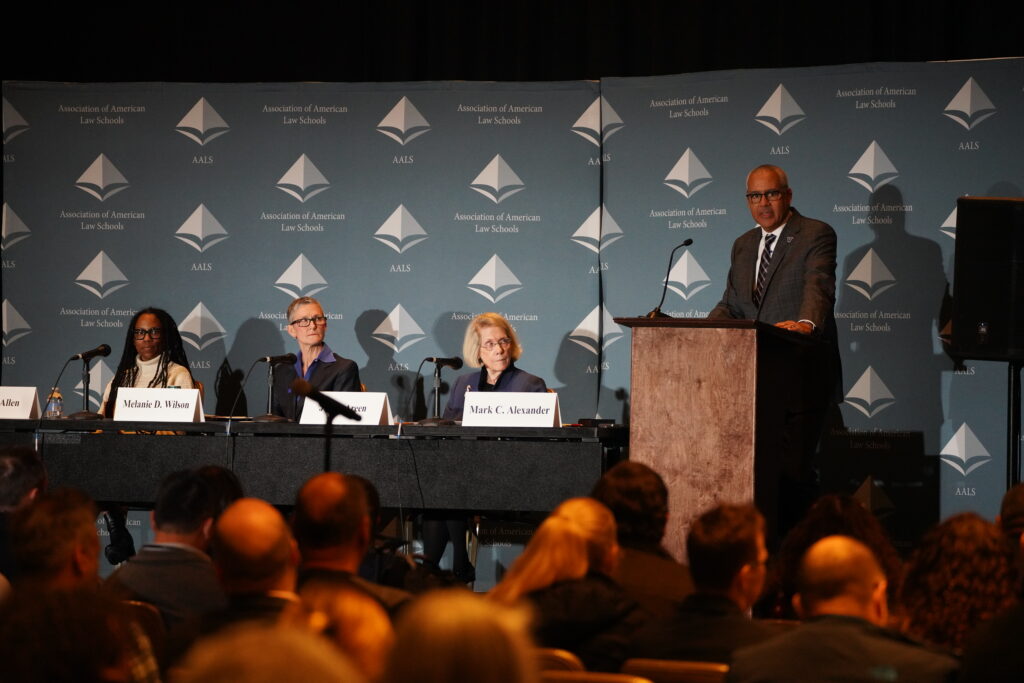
524,469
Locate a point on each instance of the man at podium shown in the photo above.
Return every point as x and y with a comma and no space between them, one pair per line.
783,272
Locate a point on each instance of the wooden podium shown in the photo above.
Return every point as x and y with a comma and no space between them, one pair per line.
708,409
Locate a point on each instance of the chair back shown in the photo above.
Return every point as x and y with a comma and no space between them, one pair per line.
589,677
673,671
554,659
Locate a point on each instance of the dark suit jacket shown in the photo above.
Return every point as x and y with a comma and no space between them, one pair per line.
704,628
800,285
391,599
801,280
181,583
341,374
653,578
836,648
591,617
513,379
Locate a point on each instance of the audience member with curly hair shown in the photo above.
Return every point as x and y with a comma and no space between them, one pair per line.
961,574
831,515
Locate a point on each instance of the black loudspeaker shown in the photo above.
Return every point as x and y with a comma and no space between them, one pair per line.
988,279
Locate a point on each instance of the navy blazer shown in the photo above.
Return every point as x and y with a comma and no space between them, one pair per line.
512,379
341,374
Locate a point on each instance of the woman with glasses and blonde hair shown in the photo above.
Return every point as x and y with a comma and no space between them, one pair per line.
153,356
316,363
491,345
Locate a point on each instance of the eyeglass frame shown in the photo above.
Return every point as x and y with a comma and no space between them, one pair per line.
756,197
154,333
316,319
490,345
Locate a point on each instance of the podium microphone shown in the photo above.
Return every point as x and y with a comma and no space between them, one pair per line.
287,359
329,405
656,313
101,350
453,363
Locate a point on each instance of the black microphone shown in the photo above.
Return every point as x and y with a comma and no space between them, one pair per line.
288,358
330,406
101,350
454,363
656,313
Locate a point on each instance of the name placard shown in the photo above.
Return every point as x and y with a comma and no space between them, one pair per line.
373,406
158,405
511,409
19,403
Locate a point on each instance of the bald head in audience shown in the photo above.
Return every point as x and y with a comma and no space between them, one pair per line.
332,522
841,576
254,551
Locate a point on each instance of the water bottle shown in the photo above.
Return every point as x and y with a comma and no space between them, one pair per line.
54,404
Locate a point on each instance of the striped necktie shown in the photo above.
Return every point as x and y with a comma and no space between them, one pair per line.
762,268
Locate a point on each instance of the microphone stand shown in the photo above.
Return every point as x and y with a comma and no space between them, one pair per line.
85,413
269,416
656,313
436,420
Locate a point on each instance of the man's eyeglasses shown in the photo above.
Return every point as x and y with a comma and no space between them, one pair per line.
154,333
306,322
491,345
770,195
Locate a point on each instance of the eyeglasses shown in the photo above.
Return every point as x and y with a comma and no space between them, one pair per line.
154,333
491,345
306,322
770,195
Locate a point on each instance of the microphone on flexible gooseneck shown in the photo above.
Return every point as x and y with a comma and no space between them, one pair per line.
656,313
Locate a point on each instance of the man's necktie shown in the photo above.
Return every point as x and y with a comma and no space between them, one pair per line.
762,268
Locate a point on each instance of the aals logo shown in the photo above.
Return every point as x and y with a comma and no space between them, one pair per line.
102,276
99,375
398,330
949,225
400,231
869,394
14,124
404,123
598,232
688,176
780,112
15,327
970,106
598,122
870,277
202,123
303,180
495,281
597,331
964,452
14,230
201,230
686,277
301,279
102,179
497,181
200,328
873,169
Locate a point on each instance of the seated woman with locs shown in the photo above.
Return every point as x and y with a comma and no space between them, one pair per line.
491,345
153,356
316,363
